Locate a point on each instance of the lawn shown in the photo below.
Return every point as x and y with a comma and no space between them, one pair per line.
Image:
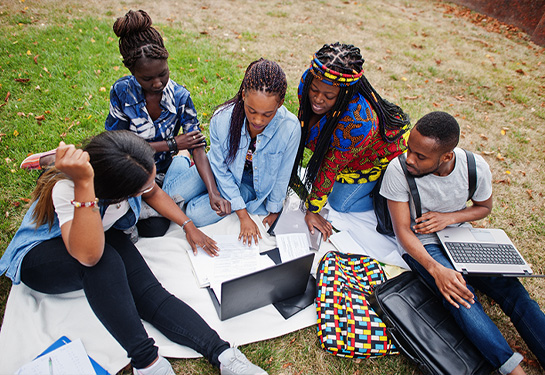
59,59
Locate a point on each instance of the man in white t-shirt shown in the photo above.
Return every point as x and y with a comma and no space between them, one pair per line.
441,175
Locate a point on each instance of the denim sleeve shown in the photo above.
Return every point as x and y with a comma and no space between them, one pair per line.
227,184
116,120
276,198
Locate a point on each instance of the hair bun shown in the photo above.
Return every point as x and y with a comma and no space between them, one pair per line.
131,23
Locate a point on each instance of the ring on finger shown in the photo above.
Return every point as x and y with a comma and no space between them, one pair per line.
193,137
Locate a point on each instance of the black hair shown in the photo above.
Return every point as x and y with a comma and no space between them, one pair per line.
138,39
261,75
122,162
442,127
343,58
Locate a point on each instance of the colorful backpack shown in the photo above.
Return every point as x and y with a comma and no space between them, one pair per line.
347,325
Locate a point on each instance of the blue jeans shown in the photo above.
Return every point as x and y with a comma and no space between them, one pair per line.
184,180
121,290
513,299
351,197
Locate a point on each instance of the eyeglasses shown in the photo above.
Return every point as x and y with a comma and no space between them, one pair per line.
146,190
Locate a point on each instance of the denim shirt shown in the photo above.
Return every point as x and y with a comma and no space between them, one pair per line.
28,236
128,112
276,148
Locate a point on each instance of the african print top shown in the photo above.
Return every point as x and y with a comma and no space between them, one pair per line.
357,153
128,111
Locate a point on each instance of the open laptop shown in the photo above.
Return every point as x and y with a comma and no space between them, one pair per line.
483,251
270,285
293,221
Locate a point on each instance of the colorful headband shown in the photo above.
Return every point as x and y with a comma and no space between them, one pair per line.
332,77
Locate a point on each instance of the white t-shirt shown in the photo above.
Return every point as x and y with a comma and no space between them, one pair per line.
63,193
438,193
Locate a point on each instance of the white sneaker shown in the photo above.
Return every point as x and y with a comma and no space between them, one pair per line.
160,367
233,362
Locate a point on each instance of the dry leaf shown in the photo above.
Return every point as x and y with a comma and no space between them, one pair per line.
460,97
23,80
7,96
204,80
520,71
488,153
530,193
509,88
499,157
411,97
489,102
484,137
40,118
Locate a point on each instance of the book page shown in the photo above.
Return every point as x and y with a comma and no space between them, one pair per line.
69,359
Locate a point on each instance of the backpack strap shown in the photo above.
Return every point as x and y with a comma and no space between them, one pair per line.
412,186
472,173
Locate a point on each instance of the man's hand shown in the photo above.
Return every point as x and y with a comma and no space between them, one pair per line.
314,220
269,219
452,286
432,222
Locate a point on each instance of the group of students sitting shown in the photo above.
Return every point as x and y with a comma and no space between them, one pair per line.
74,234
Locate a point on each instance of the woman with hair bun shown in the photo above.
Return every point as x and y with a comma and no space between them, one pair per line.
352,132
156,108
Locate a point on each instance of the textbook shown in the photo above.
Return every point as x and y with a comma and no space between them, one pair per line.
74,355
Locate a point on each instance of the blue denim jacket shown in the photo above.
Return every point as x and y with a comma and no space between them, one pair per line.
276,148
28,236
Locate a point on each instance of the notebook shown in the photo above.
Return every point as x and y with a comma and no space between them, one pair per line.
270,285
483,251
293,221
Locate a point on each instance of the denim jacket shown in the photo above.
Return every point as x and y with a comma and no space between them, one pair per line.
276,148
28,236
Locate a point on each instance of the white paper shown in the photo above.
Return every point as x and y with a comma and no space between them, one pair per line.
344,242
292,245
69,359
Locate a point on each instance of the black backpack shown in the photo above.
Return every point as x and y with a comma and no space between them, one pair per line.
380,204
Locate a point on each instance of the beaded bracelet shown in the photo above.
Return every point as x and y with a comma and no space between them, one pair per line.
84,204
171,144
186,222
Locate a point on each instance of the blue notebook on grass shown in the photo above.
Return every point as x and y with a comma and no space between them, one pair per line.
99,370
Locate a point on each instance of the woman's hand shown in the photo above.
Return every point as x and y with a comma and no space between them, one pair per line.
220,205
74,163
314,220
248,228
197,238
269,219
190,140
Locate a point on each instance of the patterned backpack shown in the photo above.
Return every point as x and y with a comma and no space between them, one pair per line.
347,325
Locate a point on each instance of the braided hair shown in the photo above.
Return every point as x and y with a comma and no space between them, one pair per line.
342,59
137,39
261,75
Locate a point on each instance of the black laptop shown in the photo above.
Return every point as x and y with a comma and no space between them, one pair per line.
274,284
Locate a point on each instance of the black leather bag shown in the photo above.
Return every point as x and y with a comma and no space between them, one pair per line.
423,329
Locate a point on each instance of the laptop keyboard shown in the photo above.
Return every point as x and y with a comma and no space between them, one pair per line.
483,253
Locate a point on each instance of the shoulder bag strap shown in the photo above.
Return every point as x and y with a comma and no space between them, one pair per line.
412,186
472,173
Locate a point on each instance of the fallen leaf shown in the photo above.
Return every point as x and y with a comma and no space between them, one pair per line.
529,193
520,71
489,102
204,32
484,137
509,88
507,172
460,97
15,133
40,118
26,200
499,157
411,97
505,181
7,96
36,59
102,89
488,153
438,80
24,80
204,80
436,105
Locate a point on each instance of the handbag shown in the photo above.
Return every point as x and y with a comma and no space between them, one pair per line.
347,325
424,330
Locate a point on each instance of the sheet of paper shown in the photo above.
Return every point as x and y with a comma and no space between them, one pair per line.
69,359
344,242
202,266
292,245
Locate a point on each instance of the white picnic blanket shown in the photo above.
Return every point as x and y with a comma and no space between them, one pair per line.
33,320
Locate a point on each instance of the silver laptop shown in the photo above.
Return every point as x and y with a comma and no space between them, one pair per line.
293,221
483,251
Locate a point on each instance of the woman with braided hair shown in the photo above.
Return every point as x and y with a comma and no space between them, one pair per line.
352,132
253,143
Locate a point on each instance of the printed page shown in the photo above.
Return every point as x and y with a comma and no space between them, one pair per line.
69,359
293,245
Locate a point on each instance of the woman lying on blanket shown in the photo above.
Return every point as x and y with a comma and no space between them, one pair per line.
352,131
154,107
253,142
72,238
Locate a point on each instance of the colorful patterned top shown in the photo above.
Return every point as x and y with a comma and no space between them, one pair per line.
357,153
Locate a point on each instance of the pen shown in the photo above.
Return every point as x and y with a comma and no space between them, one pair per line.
50,366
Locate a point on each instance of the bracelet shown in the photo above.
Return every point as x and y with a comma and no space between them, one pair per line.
186,222
84,204
171,144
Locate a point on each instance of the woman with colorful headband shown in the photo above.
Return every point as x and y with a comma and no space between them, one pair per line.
352,132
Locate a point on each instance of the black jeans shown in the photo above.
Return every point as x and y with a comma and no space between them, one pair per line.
121,290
